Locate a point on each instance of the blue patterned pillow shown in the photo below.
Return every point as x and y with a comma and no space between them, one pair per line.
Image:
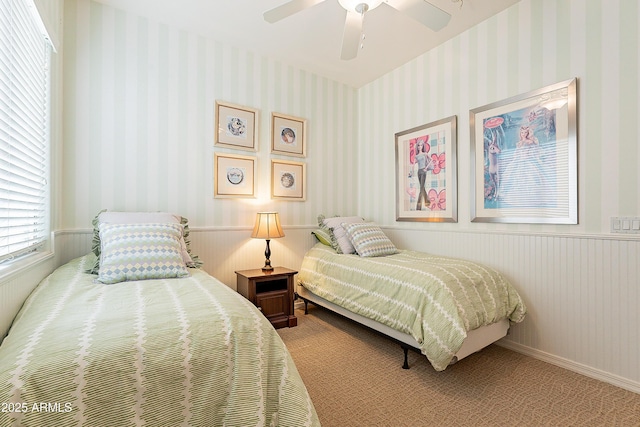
140,251
369,240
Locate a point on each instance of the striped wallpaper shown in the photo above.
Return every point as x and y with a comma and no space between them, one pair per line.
139,116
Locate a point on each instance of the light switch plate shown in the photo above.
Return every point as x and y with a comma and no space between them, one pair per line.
625,224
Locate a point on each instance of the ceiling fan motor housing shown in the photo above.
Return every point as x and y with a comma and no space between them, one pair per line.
360,6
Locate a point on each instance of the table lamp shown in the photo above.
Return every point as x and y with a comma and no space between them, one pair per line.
267,227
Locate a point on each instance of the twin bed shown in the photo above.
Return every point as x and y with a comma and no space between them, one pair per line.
143,343
446,308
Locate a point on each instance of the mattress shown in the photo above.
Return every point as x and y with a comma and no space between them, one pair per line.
188,351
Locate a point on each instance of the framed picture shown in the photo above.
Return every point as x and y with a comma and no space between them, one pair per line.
426,188
524,154
236,126
234,175
288,135
288,180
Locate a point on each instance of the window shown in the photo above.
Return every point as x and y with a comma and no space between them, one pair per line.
24,129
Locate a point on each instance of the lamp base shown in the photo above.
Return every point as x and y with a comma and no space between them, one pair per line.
267,262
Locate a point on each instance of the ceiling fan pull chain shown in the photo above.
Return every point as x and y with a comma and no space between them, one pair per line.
362,8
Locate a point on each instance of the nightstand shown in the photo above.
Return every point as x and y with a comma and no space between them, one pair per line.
271,292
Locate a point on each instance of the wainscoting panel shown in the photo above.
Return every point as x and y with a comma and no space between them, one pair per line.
225,251
73,244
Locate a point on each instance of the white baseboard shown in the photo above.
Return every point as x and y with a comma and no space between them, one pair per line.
572,366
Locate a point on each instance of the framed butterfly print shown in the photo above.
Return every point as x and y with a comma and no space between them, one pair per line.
426,187
524,158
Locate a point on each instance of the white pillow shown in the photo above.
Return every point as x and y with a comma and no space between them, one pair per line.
340,234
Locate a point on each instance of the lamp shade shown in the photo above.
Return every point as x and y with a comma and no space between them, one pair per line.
267,226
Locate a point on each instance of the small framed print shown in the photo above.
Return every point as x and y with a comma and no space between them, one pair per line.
288,135
236,126
234,175
288,180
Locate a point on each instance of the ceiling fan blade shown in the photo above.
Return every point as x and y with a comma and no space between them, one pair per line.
288,9
422,11
351,35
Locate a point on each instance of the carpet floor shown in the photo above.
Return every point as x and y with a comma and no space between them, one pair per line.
354,378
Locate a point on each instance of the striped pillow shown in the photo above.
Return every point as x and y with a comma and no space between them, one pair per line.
369,240
140,251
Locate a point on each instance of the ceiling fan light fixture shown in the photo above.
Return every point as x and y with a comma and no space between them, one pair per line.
360,6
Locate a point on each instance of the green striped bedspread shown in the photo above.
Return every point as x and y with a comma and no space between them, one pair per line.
435,299
169,352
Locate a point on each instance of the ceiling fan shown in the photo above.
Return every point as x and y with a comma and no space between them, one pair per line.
422,11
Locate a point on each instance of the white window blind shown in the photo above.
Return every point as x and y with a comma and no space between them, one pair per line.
24,129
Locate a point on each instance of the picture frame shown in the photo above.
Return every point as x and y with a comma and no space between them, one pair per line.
234,175
524,158
236,126
288,135
426,172
288,180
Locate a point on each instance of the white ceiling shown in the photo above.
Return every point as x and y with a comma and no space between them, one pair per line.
312,39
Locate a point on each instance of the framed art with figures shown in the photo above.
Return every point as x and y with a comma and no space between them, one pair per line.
524,158
426,188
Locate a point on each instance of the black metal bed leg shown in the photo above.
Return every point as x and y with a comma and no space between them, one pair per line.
406,357
306,303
